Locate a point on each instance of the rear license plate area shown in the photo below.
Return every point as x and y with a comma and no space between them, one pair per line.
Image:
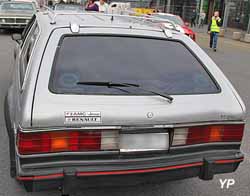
143,142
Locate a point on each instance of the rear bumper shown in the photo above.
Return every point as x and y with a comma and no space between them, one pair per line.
130,172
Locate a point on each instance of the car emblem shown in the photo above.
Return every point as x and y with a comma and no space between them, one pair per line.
150,114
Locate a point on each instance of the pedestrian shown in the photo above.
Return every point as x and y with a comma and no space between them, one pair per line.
102,5
193,18
91,6
214,30
202,18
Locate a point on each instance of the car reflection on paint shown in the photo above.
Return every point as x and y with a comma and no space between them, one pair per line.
180,24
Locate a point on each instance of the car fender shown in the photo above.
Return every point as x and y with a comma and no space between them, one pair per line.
11,136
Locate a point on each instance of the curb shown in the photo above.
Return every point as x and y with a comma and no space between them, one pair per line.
243,38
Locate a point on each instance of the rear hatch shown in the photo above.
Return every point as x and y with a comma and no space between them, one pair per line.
65,101
156,64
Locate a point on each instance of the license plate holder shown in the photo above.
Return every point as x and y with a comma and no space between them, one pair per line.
141,142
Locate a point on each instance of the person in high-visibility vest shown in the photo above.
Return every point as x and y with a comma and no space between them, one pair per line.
214,30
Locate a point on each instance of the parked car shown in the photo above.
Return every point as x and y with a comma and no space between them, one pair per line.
79,112
32,1
16,15
68,7
180,24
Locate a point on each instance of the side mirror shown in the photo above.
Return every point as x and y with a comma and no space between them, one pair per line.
186,24
17,38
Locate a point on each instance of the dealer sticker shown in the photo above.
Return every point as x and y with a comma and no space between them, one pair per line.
82,117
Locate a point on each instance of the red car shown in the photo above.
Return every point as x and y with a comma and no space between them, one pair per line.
180,24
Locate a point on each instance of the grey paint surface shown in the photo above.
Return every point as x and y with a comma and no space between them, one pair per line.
239,74
132,110
228,58
224,106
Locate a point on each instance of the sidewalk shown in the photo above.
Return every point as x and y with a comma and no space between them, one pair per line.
227,34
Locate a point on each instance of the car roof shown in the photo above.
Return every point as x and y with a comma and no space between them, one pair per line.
29,2
58,19
68,4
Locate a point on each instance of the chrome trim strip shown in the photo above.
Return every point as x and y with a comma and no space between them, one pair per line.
119,127
35,130
14,17
100,163
208,123
85,162
31,55
12,23
203,144
114,152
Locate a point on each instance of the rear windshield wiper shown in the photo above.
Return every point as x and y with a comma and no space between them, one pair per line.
117,84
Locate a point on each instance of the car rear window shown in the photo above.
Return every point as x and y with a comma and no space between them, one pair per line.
160,64
69,7
18,6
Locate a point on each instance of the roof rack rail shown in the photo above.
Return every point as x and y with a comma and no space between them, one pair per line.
130,15
154,19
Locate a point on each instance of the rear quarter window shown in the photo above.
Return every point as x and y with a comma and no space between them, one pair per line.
160,64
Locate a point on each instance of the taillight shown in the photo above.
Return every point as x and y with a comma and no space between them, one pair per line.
66,141
33,143
208,134
90,141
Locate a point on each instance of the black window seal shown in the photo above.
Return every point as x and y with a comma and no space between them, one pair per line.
24,53
129,36
28,28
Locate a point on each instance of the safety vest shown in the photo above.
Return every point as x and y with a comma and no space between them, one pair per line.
214,27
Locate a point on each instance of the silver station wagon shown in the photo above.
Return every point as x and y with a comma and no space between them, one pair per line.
102,100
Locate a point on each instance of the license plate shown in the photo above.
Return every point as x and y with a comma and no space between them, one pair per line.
144,142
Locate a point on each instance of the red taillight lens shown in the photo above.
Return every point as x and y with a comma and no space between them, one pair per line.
74,141
65,141
207,134
233,133
33,143
59,141
90,141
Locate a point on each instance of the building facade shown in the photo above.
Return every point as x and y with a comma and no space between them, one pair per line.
236,13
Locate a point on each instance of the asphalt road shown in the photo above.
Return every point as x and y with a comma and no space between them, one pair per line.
232,57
